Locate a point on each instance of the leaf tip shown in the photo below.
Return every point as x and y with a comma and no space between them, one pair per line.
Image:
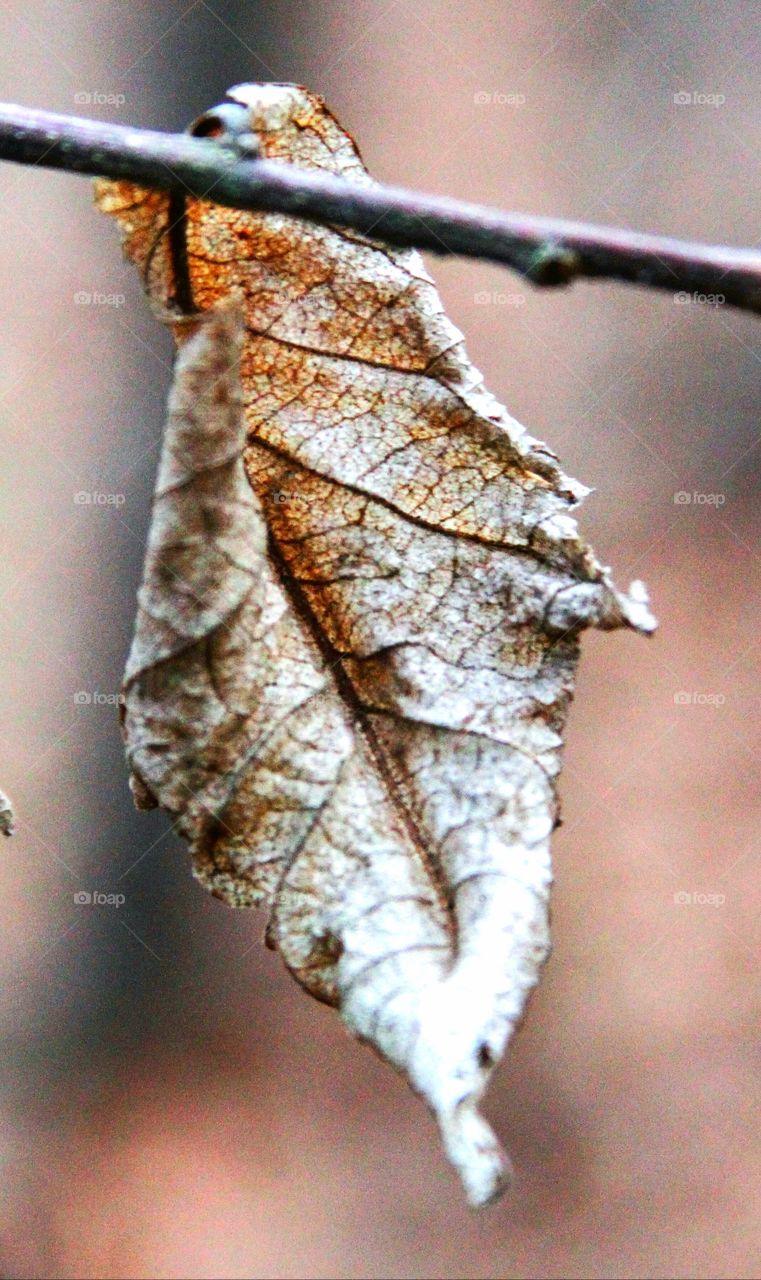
635,609
474,1151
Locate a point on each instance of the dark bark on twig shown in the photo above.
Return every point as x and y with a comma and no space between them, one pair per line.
547,251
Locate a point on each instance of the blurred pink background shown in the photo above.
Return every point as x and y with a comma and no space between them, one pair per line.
172,1104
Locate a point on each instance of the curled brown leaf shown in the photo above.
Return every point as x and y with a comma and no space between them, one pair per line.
358,627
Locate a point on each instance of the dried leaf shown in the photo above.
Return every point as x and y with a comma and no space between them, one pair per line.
7,816
356,642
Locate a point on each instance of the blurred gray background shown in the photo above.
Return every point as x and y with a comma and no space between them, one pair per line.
172,1104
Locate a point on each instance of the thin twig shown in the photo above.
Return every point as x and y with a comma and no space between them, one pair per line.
546,251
